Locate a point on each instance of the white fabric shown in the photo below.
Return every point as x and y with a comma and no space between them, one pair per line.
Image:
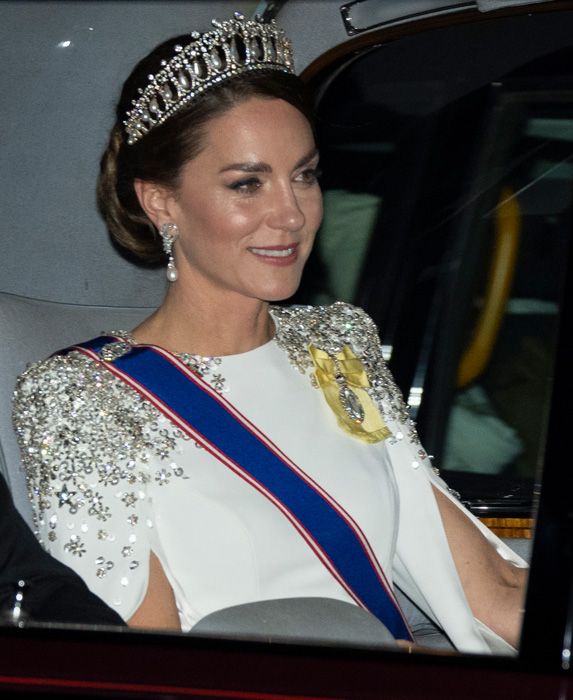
222,543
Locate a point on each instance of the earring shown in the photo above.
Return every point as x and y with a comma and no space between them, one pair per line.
169,233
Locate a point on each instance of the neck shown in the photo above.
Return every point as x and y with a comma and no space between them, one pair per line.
189,323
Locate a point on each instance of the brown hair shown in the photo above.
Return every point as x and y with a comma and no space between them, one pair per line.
161,153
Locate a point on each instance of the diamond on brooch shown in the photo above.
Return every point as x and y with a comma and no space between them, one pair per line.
351,404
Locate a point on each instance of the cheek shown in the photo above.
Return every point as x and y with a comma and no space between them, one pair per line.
220,227
214,217
314,212
234,220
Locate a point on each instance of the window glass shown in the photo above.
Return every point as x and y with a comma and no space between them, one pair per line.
496,421
447,190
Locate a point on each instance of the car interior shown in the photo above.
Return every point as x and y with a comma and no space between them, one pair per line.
454,176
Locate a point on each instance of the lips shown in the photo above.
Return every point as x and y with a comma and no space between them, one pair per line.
274,252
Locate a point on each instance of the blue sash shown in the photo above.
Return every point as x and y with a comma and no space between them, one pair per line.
209,419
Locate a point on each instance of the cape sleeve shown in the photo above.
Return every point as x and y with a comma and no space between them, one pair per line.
423,565
85,444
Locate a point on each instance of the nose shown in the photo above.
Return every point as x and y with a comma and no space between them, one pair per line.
285,212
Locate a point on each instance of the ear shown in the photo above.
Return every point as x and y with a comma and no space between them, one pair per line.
155,200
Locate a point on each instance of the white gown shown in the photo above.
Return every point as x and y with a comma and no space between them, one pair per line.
111,480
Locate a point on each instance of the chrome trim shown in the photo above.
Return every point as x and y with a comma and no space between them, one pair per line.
379,14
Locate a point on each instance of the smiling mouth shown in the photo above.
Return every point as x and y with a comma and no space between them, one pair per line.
274,252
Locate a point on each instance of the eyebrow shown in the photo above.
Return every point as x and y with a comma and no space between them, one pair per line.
257,167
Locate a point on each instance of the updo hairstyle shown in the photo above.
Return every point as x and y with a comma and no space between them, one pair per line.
161,153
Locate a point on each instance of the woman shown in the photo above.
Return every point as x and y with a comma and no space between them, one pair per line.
226,450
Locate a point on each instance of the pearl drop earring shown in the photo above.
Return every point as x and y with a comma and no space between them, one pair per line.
169,233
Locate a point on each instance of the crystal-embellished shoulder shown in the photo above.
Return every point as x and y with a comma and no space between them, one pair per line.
330,328
76,424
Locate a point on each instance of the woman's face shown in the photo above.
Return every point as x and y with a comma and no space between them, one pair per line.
248,206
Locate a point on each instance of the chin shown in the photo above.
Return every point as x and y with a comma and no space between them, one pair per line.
279,294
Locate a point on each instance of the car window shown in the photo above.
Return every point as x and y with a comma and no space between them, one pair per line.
447,190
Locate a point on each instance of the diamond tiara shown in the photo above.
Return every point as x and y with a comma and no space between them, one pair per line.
233,47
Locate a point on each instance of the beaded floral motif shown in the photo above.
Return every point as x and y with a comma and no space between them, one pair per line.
70,405
330,328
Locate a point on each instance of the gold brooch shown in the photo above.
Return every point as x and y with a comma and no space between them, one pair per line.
343,381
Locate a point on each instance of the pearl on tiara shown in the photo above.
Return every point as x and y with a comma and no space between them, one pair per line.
232,47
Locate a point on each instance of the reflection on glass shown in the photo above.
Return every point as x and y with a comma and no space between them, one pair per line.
504,403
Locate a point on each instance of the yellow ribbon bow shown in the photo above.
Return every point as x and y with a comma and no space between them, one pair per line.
343,381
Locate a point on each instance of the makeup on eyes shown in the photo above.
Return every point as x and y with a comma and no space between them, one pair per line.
247,185
311,175
250,185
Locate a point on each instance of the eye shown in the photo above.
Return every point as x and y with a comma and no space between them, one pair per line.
309,176
248,185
